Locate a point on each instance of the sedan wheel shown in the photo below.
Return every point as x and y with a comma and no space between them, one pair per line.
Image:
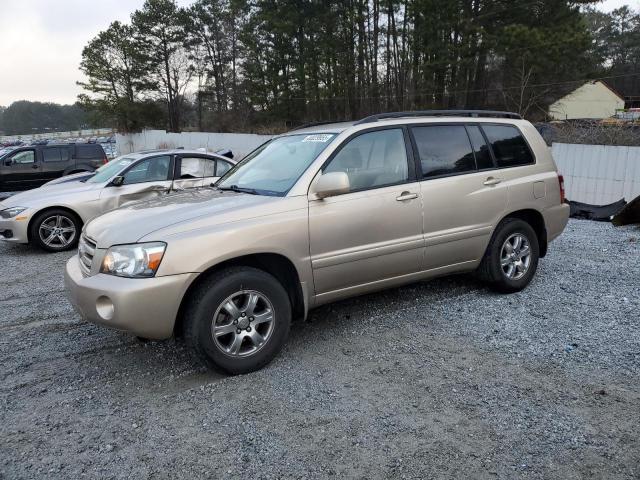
57,232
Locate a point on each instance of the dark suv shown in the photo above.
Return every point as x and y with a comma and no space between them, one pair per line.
30,167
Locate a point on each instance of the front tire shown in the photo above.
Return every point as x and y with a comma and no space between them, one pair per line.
56,230
237,320
511,259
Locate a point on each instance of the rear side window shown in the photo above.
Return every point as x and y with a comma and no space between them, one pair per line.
191,168
55,154
509,146
444,150
480,148
89,152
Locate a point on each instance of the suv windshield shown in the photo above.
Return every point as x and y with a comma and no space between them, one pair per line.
274,167
106,172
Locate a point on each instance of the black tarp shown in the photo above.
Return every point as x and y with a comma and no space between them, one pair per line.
601,213
629,215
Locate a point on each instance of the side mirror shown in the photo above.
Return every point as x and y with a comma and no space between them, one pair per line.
117,181
331,184
8,162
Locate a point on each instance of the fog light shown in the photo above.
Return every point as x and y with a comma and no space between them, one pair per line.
105,308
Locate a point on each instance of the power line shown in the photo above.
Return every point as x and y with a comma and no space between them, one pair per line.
479,90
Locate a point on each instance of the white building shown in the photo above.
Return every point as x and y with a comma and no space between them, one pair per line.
593,100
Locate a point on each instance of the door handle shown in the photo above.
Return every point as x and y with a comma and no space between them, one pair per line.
34,166
404,196
492,181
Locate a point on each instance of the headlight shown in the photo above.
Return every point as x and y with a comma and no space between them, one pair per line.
12,212
139,260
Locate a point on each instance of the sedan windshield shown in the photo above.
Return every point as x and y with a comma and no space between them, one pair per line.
273,168
110,170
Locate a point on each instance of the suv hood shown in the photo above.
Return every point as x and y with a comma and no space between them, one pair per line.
46,193
130,223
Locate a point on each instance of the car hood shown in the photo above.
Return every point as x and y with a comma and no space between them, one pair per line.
162,216
59,193
74,177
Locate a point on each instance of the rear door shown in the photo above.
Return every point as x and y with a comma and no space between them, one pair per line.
89,156
55,161
194,171
146,179
20,170
463,193
190,171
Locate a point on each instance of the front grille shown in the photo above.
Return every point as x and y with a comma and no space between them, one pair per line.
86,251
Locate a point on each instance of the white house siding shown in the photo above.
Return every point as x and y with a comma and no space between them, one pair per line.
598,174
590,101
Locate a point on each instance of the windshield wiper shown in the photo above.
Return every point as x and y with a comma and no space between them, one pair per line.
236,188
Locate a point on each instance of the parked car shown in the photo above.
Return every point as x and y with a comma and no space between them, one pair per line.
52,216
317,215
29,167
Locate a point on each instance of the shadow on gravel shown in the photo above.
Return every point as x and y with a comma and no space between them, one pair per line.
174,370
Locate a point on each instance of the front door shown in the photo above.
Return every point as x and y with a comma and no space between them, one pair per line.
20,170
372,234
146,179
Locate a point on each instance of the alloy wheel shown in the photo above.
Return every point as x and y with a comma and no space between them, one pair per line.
57,231
515,256
243,323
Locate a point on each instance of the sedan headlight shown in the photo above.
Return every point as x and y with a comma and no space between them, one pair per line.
139,260
12,212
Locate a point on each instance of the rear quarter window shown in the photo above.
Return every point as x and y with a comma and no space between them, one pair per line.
509,146
89,152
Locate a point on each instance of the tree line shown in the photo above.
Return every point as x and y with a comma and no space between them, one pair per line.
242,64
24,117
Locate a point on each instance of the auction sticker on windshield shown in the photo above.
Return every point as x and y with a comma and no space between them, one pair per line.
323,138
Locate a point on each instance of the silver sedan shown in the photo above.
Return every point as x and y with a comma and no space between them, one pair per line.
52,216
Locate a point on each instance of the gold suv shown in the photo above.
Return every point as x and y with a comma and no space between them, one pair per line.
320,214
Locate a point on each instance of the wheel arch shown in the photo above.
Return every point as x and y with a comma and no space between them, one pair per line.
536,220
275,264
46,209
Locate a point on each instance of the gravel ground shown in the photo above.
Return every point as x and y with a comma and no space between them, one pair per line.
435,380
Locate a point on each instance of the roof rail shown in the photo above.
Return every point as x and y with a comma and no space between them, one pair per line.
441,113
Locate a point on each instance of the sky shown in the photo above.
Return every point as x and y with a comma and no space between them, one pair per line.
41,43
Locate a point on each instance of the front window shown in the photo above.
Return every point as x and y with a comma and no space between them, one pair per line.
274,168
28,156
155,169
110,170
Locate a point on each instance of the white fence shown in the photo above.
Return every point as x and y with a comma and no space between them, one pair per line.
599,174
240,143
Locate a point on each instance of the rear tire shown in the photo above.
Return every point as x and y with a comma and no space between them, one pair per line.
237,320
55,230
511,259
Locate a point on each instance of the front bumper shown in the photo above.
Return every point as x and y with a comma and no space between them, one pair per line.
16,231
146,307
